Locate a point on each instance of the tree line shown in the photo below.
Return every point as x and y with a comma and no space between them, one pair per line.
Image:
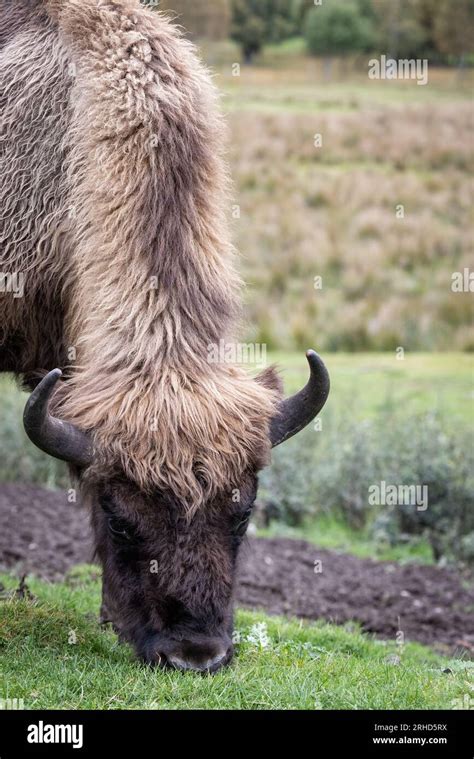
441,30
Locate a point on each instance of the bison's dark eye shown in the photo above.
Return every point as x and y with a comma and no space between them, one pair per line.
119,529
241,523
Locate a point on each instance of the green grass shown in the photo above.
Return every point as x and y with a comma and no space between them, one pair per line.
328,532
303,666
284,79
313,98
364,384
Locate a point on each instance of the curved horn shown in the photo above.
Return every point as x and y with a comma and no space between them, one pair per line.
59,439
297,412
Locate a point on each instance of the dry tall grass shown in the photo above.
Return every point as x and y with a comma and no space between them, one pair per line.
331,211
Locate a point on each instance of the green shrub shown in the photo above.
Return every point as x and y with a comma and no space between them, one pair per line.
337,28
334,475
427,454
20,460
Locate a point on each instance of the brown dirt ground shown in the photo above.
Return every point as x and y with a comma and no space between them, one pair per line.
42,534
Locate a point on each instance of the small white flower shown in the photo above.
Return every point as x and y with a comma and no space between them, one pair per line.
258,635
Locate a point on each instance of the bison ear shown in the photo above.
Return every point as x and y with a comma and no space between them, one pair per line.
271,379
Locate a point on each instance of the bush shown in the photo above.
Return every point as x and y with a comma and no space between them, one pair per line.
255,23
20,460
430,456
334,476
337,28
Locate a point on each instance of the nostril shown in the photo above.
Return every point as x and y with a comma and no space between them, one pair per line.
209,665
218,661
198,658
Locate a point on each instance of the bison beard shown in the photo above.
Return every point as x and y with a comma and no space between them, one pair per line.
113,206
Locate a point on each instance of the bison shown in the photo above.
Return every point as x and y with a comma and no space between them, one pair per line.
113,208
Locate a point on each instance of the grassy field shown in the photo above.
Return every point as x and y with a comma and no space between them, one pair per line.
331,209
329,532
371,382
280,664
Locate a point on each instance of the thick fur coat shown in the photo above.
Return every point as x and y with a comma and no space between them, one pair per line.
114,206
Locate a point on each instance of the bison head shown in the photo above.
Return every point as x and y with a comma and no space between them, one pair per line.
167,579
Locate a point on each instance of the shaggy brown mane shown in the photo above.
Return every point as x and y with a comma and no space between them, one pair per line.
133,228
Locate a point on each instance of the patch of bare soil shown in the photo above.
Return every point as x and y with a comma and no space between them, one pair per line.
43,534
293,577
